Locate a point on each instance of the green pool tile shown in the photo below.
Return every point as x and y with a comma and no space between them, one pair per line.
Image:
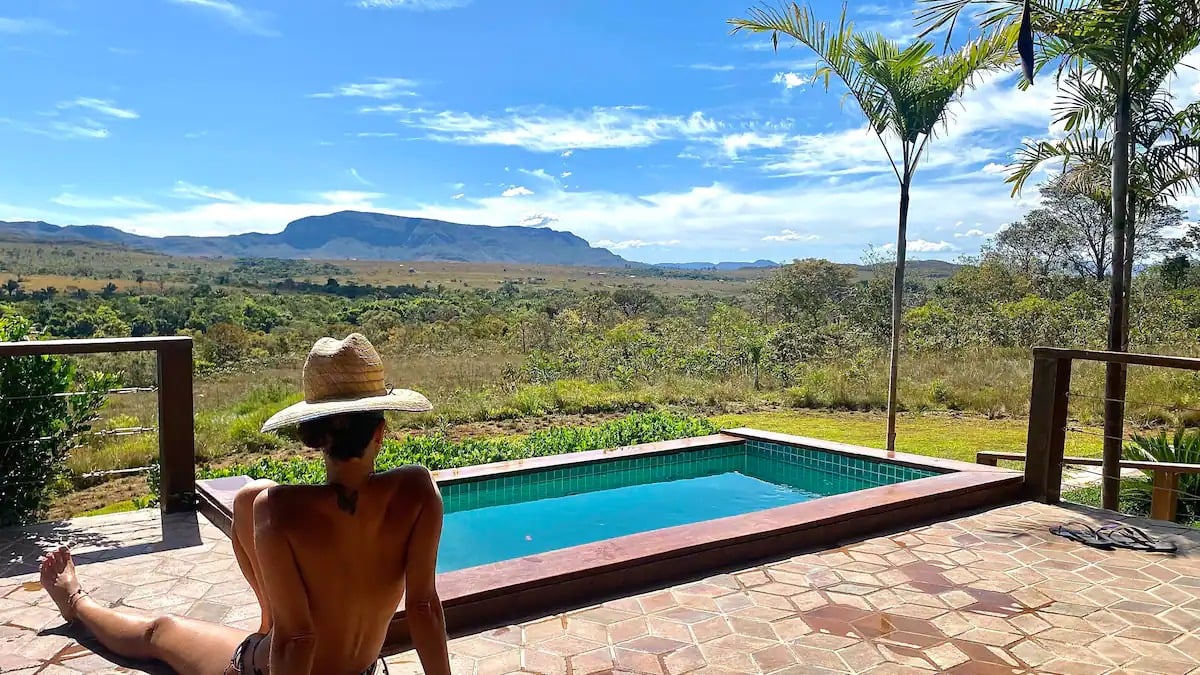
805,469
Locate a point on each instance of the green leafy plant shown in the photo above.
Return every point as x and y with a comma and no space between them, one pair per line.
1183,447
436,451
40,419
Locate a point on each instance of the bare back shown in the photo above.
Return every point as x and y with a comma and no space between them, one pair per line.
350,554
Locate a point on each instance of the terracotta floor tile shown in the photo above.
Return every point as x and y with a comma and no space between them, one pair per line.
684,660
1149,634
961,596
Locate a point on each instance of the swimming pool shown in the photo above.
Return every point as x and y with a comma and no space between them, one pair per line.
529,537
501,518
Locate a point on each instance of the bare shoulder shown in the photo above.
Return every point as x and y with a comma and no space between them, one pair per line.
279,506
412,483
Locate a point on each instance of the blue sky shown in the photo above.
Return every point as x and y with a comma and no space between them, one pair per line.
640,126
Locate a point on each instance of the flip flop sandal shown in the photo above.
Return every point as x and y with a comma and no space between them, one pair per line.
1083,534
1135,539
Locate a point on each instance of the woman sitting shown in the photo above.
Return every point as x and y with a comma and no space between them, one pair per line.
328,563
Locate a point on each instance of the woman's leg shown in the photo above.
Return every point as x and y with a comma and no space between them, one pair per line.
243,546
189,646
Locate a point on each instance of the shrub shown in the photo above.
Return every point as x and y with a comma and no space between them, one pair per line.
436,451
38,425
1182,448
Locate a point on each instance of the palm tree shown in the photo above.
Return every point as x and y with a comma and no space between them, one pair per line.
904,92
1119,50
1164,161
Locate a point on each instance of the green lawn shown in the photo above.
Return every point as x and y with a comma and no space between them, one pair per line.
950,436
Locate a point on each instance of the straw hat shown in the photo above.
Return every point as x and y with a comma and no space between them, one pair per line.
345,376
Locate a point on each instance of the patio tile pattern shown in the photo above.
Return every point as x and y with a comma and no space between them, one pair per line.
987,593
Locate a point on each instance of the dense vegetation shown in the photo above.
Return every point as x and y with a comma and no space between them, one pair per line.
47,405
436,451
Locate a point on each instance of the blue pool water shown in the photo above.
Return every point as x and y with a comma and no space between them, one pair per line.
514,515
485,535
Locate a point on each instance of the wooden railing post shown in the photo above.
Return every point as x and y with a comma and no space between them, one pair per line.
1047,428
176,438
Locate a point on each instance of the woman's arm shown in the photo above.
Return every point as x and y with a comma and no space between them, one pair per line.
423,608
293,644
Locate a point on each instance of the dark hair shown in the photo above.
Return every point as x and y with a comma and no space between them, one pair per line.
341,436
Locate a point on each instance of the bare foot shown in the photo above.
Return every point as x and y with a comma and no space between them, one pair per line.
58,578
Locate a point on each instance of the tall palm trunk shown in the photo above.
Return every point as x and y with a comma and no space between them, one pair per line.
1114,373
898,307
1131,226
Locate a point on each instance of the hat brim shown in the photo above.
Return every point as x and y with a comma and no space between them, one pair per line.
404,400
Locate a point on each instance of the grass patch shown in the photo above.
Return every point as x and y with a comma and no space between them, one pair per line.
948,436
119,507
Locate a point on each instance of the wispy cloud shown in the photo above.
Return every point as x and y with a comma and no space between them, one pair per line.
970,233
459,195
102,106
517,191
86,129
186,190
568,152
538,220
871,9
245,20
540,130
13,26
791,235
633,243
540,174
712,67
80,202
414,5
382,88
355,175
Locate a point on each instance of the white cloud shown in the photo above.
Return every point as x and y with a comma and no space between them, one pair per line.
712,67
376,87
102,106
791,235
225,217
538,220
538,130
568,152
232,14
922,246
460,195
790,80
18,26
633,243
84,129
565,174
414,5
974,232
376,134
734,144
186,190
79,202
517,191
704,219
355,175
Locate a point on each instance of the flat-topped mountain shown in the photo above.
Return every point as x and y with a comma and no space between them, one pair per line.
355,234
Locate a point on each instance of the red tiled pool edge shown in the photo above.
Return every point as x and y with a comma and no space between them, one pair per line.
510,590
